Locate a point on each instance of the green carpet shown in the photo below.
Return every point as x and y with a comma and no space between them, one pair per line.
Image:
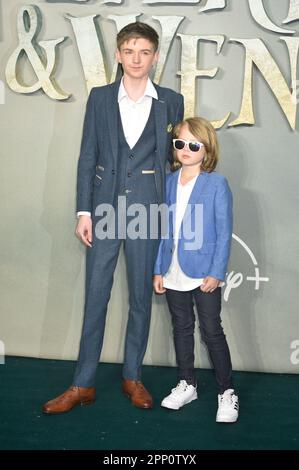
269,412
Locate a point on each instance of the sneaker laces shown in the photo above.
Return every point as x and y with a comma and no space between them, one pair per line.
227,397
181,387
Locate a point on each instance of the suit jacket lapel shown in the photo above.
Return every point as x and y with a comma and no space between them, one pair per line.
196,193
112,116
198,188
173,187
172,198
160,111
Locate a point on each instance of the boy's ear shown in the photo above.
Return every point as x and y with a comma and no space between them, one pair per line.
117,56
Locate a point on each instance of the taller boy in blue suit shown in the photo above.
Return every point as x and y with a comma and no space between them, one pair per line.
125,145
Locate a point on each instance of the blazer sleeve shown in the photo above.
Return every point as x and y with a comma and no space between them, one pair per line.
178,118
158,263
224,228
88,157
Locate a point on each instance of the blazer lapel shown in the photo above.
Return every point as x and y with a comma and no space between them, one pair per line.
160,111
195,196
173,187
112,116
198,188
172,199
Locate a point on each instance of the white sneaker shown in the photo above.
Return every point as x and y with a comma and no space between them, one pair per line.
228,407
180,396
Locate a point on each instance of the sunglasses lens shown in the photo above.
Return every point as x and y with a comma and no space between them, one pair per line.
179,144
194,146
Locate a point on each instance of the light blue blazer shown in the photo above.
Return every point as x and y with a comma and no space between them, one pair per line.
210,257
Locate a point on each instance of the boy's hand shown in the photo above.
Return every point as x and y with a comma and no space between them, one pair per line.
84,230
209,284
158,284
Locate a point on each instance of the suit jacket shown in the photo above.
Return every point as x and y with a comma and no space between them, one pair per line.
99,147
211,258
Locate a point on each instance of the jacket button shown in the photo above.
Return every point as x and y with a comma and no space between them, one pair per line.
113,172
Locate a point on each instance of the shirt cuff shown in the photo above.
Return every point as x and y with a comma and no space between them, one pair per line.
83,213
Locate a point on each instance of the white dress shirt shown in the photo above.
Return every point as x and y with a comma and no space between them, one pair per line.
175,278
134,115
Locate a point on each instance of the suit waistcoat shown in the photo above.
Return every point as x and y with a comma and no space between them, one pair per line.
136,166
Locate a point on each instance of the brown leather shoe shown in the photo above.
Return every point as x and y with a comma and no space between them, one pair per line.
138,394
71,397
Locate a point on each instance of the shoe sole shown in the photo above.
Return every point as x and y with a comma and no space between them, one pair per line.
226,420
86,403
178,407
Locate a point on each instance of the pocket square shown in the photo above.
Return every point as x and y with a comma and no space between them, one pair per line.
169,127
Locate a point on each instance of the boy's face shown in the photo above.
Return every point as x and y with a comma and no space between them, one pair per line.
137,57
186,156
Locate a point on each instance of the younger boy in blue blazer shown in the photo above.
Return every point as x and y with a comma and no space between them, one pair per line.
193,269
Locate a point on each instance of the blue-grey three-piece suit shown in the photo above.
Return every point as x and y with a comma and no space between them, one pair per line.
108,168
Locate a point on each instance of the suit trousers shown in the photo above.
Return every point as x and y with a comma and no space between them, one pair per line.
208,306
101,260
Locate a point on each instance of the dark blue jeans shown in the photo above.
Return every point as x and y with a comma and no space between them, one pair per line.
183,320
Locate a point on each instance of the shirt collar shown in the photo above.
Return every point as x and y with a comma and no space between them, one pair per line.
150,91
